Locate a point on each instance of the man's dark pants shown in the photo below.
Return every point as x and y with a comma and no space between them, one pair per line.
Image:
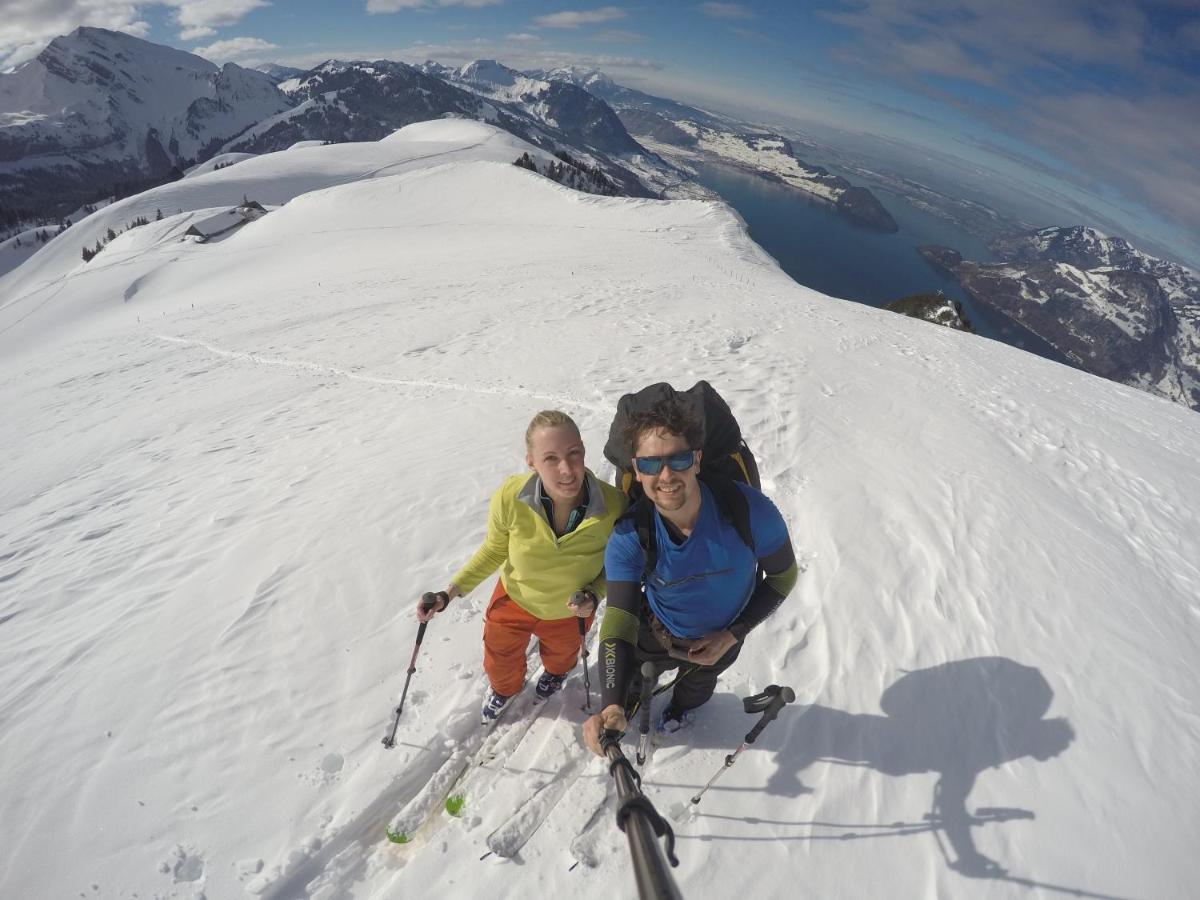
694,688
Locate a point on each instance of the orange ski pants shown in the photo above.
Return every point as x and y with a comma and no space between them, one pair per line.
506,632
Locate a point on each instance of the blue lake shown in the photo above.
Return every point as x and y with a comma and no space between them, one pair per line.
823,250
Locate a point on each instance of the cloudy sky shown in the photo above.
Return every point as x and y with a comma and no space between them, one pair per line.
1091,105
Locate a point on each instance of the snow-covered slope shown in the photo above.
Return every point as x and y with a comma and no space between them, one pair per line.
236,465
270,179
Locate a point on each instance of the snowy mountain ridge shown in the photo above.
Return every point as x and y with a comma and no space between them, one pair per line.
240,461
560,104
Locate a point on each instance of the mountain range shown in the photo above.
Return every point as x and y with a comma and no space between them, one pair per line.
100,110
1108,307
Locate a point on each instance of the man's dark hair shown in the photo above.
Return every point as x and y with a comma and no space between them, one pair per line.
672,414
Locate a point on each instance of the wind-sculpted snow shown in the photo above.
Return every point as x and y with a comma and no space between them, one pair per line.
231,468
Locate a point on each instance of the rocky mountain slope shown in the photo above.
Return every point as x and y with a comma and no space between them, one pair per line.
1112,309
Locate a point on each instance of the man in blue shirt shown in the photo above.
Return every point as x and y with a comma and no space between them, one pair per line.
704,593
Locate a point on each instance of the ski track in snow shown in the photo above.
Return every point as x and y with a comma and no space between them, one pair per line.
237,465
319,369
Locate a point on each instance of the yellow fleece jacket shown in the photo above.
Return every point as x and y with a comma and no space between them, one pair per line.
541,571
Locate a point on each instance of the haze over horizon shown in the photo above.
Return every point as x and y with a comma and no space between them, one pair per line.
1088,109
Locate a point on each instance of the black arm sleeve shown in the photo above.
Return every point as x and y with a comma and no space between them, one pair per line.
780,571
618,641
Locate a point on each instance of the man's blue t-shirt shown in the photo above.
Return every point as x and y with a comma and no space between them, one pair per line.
703,584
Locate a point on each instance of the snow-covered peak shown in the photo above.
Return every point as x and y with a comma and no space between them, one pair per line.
273,179
488,72
98,107
86,72
581,76
1089,248
1079,244
496,81
436,69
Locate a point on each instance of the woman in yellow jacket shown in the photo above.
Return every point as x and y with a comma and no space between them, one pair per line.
546,534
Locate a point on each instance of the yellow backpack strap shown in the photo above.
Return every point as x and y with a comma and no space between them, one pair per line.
736,456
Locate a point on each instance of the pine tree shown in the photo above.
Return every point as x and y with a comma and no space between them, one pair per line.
158,216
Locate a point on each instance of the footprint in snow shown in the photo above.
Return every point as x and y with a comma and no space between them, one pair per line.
188,867
332,763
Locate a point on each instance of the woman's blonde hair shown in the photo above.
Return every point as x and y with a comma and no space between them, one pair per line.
548,418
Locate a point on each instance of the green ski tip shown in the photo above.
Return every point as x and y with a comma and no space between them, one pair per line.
454,804
398,837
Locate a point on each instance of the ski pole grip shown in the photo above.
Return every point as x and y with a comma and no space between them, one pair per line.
610,742
429,600
782,697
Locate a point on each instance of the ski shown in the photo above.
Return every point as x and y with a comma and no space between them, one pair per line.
466,787
514,832
479,747
592,821
472,787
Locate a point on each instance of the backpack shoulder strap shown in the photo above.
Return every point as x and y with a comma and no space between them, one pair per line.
734,506
643,520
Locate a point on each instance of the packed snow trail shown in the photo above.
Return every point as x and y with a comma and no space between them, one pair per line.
209,562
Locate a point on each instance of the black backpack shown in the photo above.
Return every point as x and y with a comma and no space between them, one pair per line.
727,459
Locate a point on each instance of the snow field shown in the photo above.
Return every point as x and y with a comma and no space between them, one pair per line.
232,483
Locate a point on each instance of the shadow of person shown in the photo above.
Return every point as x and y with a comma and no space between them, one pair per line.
956,720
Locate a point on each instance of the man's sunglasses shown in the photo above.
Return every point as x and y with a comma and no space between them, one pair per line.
676,462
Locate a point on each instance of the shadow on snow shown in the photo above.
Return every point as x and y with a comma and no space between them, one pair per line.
956,720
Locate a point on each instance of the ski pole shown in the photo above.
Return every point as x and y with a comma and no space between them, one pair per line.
769,703
428,601
587,684
663,688
649,676
579,598
637,817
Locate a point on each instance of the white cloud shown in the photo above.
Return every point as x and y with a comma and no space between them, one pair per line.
26,28
391,6
569,19
726,11
196,32
521,55
617,36
523,36
238,49
212,13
